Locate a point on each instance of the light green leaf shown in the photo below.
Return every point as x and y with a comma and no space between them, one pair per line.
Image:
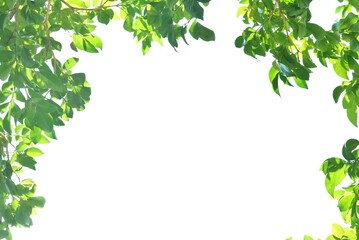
349,100
77,3
306,237
345,202
33,152
337,230
353,116
70,63
241,10
94,40
78,41
340,70
301,83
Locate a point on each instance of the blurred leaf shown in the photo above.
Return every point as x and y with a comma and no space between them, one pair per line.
33,152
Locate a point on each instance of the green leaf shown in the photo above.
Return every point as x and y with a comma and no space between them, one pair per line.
197,30
349,100
26,58
337,230
241,10
301,72
355,4
352,115
6,56
3,234
337,92
333,38
193,7
78,41
77,3
301,83
348,148
307,60
317,31
5,70
37,201
93,40
239,42
354,44
306,237
340,70
70,63
3,186
273,78
345,202
33,152
333,179
105,16
26,161
3,20
22,215
50,80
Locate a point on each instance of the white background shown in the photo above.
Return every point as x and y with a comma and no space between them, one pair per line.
191,145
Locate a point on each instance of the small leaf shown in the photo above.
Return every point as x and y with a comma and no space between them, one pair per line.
353,116
22,215
337,92
26,161
70,63
337,230
33,152
37,201
301,83
306,237
340,70
239,42
273,78
348,148
197,30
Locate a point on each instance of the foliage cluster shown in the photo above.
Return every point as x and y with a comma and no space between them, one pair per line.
39,92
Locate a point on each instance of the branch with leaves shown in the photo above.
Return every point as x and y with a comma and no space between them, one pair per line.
39,93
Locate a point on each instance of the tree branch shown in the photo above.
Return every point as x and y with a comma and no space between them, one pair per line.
102,6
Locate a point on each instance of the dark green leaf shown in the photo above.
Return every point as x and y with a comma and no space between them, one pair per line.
337,92
193,7
26,161
355,3
3,234
348,148
51,80
317,31
197,30
37,201
239,42
22,215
